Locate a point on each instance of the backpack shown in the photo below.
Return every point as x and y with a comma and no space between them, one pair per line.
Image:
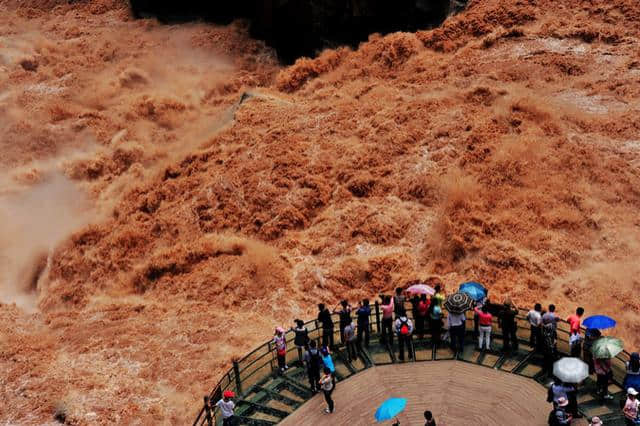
315,360
404,328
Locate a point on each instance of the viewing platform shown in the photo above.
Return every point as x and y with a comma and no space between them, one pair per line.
477,387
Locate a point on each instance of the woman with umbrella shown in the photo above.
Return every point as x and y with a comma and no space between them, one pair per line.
390,409
420,304
590,337
603,350
457,304
479,294
569,372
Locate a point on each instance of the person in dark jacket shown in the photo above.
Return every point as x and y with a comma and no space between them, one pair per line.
345,318
398,302
208,417
313,363
509,326
301,339
559,416
590,336
324,318
363,313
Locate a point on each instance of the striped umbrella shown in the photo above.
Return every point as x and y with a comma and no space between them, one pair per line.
458,303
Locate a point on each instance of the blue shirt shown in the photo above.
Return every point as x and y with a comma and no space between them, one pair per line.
363,315
328,362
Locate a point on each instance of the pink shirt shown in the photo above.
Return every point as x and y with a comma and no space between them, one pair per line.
602,366
484,318
630,409
574,320
387,310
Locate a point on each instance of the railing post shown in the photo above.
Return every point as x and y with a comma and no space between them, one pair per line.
236,373
377,306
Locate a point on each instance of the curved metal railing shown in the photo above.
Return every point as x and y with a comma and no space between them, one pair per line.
262,362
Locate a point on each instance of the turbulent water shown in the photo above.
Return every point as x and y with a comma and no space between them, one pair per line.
170,193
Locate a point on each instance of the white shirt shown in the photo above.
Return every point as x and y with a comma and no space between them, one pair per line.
534,317
226,408
326,383
455,320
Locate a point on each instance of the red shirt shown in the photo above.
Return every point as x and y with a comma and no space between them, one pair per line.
574,320
423,307
484,318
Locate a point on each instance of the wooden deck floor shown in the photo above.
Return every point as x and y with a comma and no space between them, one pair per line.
457,393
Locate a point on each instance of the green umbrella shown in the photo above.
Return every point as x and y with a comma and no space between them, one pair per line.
606,347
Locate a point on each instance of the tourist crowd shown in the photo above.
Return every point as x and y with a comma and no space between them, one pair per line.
428,319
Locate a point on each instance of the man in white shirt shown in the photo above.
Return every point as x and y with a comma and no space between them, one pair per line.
535,322
226,407
456,323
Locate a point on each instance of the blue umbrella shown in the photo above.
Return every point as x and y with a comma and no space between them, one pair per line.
599,321
390,408
475,290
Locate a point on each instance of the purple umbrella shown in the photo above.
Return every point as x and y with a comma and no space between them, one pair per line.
421,289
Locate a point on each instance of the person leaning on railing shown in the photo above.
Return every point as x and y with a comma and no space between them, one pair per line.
485,320
575,340
387,319
534,316
324,318
509,326
301,339
363,313
345,318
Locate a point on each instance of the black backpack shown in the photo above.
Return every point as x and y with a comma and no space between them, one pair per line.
315,360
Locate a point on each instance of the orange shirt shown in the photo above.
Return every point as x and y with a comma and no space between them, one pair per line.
574,321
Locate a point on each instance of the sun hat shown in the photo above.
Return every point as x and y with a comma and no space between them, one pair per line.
279,330
632,391
563,402
595,421
228,394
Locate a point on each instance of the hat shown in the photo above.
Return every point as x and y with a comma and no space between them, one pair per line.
595,421
279,330
562,401
228,394
632,391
